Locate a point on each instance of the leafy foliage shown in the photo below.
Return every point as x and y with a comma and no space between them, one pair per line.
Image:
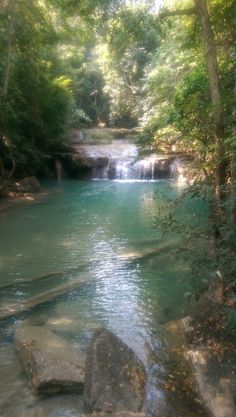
46,80
124,53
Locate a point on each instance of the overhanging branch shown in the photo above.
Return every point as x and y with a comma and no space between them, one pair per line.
184,12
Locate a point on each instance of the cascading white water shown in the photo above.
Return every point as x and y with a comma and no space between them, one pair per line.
120,160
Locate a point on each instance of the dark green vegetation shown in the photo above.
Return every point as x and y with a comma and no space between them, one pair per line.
77,64
47,78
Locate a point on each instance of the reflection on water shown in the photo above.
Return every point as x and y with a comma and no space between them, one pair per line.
82,231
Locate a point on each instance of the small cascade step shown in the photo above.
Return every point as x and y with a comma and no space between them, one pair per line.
120,161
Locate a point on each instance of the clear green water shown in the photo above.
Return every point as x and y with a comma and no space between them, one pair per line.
94,227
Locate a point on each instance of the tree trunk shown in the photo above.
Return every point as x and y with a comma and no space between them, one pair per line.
2,169
10,13
9,47
213,73
233,162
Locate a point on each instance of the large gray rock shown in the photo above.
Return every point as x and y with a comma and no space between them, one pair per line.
115,378
117,414
216,380
28,185
51,363
212,371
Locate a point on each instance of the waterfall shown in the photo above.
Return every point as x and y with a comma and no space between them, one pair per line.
149,168
120,161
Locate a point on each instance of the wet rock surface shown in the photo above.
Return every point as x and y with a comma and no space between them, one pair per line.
51,364
208,364
65,413
115,378
120,160
118,414
28,185
216,382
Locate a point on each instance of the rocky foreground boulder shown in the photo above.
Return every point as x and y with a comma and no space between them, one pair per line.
28,185
209,362
115,378
51,364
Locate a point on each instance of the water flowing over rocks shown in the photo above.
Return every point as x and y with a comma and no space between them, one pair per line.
120,160
51,364
115,378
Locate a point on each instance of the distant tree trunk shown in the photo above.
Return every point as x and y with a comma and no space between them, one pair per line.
201,11
2,169
10,12
9,47
213,73
233,161
58,166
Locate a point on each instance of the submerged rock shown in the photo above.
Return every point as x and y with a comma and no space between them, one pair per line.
65,412
115,378
59,412
51,363
176,331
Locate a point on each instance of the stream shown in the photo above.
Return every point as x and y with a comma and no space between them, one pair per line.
96,233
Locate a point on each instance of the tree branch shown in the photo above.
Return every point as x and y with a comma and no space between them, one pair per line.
184,12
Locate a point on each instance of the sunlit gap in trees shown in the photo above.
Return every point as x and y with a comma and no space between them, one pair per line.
154,4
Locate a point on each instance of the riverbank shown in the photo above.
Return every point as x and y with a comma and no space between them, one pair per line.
17,194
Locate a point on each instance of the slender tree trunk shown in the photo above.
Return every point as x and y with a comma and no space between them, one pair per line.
213,73
9,47
10,12
233,161
2,169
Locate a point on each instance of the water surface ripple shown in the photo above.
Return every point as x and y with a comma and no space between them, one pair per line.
93,231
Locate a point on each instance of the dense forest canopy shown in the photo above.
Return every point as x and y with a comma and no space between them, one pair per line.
147,64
